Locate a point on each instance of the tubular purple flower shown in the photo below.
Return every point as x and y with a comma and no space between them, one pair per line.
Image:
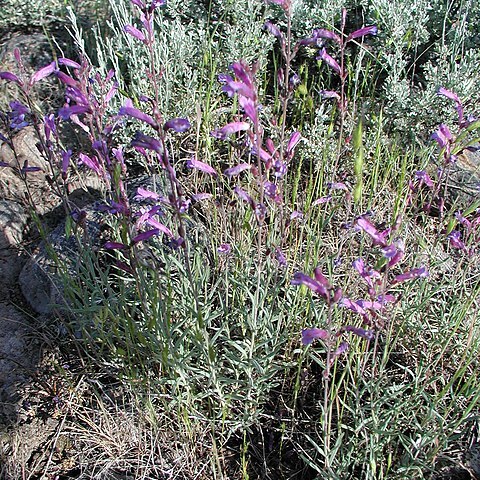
91,163
328,34
142,194
311,334
129,110
329,94
198,197
178,125
273,29
353,306
42,73
233,171
49,126
229,129
342,348
442,136
160,226
370,30
110,94
410,275
453,96
139,3
280,257
27,169
66,112
295,137
243,195
134,32
423,178
74,94
10,77
249,108
313,284
323,55
141,237
69,63
243,73
455,240
379,238
224,248
360,332
193,163
144,141
114,246
322,200
66,79
66,155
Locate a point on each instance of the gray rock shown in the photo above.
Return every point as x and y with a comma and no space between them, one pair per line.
12,224
18,355
463,186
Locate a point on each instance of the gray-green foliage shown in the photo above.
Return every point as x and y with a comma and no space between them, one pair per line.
30,14
192,45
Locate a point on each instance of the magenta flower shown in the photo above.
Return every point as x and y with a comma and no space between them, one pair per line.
233,171
371,30
442,136
274,30
129,110
410,275
319,285
229,129
135,32
455,240
66,155
160,226
114,246
179,125
310,334
144,141
379,238
243,195
69,63
453,96
331,62
43,73
141,237
224,248
66,79
295,137
423,178
10,77
90,162
328,34
193,163
360,332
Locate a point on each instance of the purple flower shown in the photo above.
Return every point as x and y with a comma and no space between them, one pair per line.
280,257
42,73
129,110
66,112
310,334
249,108
144,141
193,163
455,239
453,96
353,306
360,332
141,237
10,77
423,178
134,32
342,348
90,162
142,193
442,136
242,194
229,129
329,94
66,155
224,248
160,226
328,34
379,238
319,285
233,171
273,29
114,246
295,137
322,200
179,125
371,30
331,62
69,63
410,275
18,115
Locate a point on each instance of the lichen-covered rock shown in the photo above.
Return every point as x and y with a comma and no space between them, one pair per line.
463,187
